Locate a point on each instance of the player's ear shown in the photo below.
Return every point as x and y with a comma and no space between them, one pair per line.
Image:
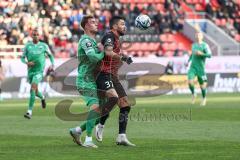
115,26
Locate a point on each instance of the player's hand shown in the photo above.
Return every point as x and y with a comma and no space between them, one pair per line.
30,64
100,47
127,59
51,67
199,53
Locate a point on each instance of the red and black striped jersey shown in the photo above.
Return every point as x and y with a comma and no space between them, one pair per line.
108,64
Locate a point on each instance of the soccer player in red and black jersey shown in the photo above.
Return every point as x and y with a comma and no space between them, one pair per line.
108,81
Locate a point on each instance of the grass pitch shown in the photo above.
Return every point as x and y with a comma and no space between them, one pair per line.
163,128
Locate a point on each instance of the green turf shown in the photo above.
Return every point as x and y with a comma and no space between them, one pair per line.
163,128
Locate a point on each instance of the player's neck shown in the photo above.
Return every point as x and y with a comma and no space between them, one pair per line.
35,42
115,33
199,42
90,34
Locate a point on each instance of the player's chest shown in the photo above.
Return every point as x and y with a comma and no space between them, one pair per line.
117,46
35,50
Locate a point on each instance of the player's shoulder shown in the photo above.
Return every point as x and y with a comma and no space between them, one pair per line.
108,37
108,34
43,44
204,43
194,44
28,43
86,41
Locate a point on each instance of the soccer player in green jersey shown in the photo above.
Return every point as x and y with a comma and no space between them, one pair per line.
34,56
88,55
200,51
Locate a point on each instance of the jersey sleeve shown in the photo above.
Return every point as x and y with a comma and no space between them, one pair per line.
49,54
90,51
24,55
108,40
207,52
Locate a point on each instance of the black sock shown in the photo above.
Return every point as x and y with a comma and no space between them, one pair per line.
106,108
103,119
123,119
0,90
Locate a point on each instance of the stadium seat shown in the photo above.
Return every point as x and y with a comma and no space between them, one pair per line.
150,1
170,37
173,46
199,7
160,7
165,46
223,22
218,22
237,37
181,46
163,37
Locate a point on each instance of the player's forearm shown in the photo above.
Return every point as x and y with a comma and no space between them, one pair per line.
112,54
190,58
51,59
95,56
207,55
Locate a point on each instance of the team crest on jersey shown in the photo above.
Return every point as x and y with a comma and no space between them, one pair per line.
89,44
109,40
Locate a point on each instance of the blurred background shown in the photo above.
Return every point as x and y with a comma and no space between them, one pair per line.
167,42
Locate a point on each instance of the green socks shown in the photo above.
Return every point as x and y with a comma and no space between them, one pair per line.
91,121
191,87
31,99
204,91
83,126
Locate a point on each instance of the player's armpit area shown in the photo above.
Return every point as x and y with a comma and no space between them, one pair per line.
109,52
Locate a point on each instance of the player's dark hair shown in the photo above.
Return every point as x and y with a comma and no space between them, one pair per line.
114,20
85,19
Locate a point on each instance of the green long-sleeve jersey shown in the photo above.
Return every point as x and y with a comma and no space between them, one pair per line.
36,53
88,57
198,61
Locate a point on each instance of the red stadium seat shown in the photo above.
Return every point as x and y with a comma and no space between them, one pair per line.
173,46
218,22
140,6
181,46
160,7
170,37
150,1
223,22
189,1
163,37
237,37
199,7
165,46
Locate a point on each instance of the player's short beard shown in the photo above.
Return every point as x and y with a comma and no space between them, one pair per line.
35,39
121,33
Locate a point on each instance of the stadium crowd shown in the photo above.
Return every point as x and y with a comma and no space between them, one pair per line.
58,21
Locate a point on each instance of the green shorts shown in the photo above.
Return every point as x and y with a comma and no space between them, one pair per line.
88,91
201,76
35,78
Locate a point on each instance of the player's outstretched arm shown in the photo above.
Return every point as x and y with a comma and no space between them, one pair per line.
93,55
50,55
23,56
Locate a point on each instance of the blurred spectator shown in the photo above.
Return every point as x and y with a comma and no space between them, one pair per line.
169,68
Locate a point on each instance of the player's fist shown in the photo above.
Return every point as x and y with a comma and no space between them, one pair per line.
100,47
199,53
30,64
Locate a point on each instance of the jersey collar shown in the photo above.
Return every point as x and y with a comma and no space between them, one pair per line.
115,33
